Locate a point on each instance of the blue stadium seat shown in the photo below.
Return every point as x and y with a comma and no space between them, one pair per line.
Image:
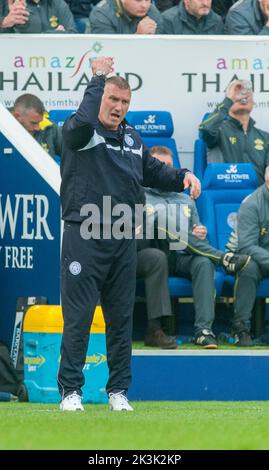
60,115
223,188
205,116
199,162
180,287
155,128
263,288
203,155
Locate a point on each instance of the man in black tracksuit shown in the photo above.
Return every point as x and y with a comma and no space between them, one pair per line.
103,159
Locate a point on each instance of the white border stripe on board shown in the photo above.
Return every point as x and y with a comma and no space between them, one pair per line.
200,352
30,150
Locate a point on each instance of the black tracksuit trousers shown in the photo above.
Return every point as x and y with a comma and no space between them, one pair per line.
92,270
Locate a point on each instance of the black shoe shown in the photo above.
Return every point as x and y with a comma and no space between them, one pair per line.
241,335
22,392
158,339
243,340
234,263
206,339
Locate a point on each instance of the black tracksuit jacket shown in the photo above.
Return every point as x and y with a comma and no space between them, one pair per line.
97,162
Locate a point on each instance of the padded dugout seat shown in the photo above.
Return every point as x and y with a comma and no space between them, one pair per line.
155,128
60,115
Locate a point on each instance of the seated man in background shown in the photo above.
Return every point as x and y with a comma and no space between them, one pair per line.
250,17
12,13
231,131
220,7
192,17
152,266
47,16
252,238
197,260
30,112
125,17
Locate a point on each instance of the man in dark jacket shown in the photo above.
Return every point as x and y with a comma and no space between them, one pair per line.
11,14
248,17
152,267
252,239
125,17
30,112
192,17
47,16
196,259
104,165
231,131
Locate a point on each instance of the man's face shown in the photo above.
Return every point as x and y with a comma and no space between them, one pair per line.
136,7
198,8
243,108
29,119
263,5
163,157
114,106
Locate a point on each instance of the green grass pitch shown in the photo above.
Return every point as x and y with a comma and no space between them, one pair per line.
153,425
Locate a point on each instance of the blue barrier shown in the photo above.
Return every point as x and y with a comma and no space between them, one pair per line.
29,223
200,375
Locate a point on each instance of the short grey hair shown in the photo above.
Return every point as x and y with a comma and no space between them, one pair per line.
118,82
28,101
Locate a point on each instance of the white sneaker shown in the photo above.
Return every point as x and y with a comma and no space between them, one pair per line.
71,403
119,402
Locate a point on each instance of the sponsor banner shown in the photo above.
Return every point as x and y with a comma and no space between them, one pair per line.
224,175
29,235
184,75
35,362
16,338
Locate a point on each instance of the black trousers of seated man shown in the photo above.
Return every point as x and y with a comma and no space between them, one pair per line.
108,273
152,266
